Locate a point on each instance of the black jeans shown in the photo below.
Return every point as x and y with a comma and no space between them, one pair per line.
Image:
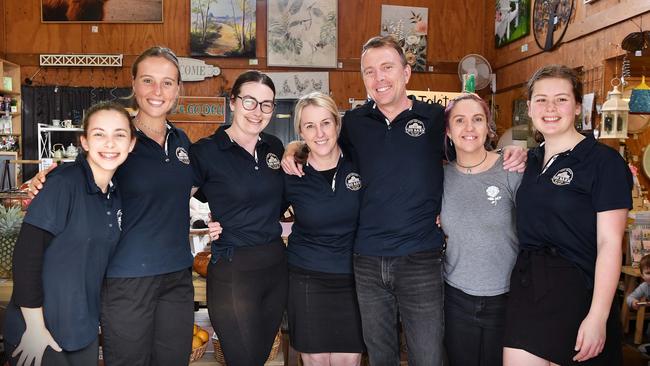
412,287
147,321
474,327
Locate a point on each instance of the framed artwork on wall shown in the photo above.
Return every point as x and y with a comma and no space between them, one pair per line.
587,112
302,34
409,25
223,28
102,11
293,85
511,21
521,122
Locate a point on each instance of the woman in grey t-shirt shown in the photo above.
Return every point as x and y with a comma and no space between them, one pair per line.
478,218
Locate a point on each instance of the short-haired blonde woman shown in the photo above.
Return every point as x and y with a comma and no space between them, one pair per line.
324,319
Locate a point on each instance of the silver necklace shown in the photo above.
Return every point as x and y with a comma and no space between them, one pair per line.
469,168
142,125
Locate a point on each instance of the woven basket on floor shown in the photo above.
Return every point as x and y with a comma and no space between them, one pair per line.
275,349
198,352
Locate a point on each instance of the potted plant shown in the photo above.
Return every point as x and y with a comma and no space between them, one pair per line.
11,219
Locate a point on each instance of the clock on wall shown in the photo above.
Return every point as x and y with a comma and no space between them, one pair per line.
550,21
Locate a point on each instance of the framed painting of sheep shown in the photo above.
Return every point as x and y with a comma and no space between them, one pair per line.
102,11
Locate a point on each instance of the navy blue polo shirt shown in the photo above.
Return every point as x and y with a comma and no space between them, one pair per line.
401,166
245,195
155,183
85,224
322,236
558,208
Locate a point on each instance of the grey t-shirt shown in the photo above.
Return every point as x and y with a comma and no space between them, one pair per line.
478,217
643,290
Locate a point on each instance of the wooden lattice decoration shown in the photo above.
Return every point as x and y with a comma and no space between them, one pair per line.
81,60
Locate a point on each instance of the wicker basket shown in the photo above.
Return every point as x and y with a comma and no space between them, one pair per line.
198,352
275,349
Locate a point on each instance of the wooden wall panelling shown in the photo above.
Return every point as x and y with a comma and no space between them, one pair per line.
450,38
456,29
607,15
3,34
363,21
26,33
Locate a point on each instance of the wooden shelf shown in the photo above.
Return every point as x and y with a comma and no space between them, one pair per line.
12,71
9,92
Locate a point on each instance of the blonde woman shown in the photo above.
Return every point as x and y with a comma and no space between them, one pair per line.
324,319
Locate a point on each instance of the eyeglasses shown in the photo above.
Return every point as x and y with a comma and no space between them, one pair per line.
251,103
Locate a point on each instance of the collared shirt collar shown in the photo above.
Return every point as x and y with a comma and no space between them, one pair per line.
91,186
579,152
225,142
417,107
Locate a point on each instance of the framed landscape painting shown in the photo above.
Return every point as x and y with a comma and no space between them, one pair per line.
102,11
224,28
302,33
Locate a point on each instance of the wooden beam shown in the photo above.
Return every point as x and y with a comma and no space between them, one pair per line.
606,18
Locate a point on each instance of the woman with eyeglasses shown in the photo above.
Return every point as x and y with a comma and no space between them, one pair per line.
238,170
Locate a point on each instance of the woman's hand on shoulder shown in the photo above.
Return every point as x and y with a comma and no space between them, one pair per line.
289,164
514,158
591,338
36,183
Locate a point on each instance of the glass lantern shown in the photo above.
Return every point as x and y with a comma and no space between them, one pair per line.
614,115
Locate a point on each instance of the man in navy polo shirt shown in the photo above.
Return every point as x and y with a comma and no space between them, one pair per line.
398,144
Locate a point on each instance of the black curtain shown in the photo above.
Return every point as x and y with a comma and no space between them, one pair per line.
281,125
42,104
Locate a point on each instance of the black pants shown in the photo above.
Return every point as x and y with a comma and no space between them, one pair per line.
246,300
148,320
474,327
83,357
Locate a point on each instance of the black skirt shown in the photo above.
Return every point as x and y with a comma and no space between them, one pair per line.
323,312
549,299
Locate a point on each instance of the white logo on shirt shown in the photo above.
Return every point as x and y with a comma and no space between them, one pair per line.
415,128
562,177
353,182
272,161
181,155
119,219
493,194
